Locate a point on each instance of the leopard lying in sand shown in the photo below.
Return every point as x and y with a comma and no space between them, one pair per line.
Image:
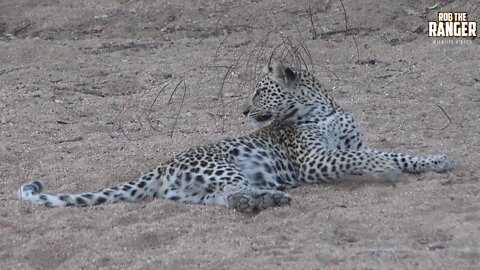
310,139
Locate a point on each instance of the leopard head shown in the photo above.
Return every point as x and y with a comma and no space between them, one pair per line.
285,94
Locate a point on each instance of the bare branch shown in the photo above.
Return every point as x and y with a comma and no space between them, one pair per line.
448,117
153,104
346,28
314,31
232,67
181,105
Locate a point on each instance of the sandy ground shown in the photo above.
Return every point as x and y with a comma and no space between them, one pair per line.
82,107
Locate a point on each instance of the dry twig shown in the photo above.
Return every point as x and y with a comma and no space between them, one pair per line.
448,117
150,110
181,104
346,28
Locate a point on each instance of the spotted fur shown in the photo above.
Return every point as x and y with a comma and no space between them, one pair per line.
309,139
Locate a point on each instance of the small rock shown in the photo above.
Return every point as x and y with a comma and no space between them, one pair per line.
103,16
97,28
436,247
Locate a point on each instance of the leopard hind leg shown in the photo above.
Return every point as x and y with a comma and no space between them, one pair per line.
248,199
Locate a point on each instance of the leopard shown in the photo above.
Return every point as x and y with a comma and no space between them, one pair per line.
303,137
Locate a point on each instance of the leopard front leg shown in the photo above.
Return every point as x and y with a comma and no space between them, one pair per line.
349,137
417,164
328,165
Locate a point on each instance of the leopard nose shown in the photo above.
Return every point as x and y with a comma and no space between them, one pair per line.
246,111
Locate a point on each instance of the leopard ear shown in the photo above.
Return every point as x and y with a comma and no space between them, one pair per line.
282,74
290,76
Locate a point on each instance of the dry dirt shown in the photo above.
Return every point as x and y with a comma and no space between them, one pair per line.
82,107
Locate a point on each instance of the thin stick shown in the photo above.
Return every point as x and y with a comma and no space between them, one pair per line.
74,139
260,54
300,56
448,117
151,107
314,35
344,14
234,65
121,122
346,28
273,53
180,108
304,47
16,31
350,31
220,45
173,92
223,14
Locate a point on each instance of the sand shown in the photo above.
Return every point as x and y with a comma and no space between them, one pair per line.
82,108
